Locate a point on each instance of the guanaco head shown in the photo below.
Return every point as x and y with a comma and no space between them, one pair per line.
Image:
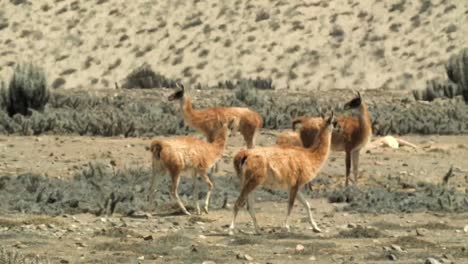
354,103
177,95
222,129
330,122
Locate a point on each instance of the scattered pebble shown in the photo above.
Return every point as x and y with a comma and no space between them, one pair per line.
397,248
244,257
432,261
149,237
392,257
299,248
421,231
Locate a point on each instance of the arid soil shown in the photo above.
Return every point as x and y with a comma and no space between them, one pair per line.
166,236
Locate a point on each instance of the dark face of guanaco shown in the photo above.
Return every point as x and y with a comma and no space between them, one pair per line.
354,103
177,95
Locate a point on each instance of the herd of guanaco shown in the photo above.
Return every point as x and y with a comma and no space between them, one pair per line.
292,163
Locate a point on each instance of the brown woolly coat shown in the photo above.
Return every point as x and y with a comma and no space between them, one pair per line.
187,153
245,120
354,132
283,166
306,135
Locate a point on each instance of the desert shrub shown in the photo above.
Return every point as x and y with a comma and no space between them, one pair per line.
246,93
257,83
27,90
14,257
437,89
145,78
3,96
457,83
84,114
457,71
262,15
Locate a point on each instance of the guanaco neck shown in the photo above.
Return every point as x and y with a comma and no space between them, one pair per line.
364,118
191,116
219,142
321,148
187,107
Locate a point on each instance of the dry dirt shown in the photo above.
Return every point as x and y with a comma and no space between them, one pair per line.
348,237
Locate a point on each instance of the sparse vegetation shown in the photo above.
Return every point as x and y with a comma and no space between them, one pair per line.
145,78
14,257
456,85
27,90
262,15
84,114
457,71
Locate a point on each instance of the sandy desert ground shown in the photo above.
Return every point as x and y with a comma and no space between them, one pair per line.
166,236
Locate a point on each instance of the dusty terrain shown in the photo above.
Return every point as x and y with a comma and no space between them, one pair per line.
165,236
319,44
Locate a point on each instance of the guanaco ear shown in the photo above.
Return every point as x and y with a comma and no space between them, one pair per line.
331,119
322,115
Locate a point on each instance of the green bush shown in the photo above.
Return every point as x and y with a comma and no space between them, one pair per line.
145,78
27,90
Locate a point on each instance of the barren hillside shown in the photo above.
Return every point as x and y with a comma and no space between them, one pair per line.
316,44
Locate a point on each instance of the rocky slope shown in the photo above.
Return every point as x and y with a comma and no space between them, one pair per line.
316,44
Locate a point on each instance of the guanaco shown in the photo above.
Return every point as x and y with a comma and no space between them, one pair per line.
186,153
309,128
246,121
352,136
284,167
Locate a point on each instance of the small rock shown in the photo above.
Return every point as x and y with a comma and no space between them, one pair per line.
202,237
312,258
19,245
244,257
397,248
64,261
392,257
80,244
193,248
465,229
208,262
141,258
352,225
299,248
102,219
432,261
421,231
41,227
149,237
